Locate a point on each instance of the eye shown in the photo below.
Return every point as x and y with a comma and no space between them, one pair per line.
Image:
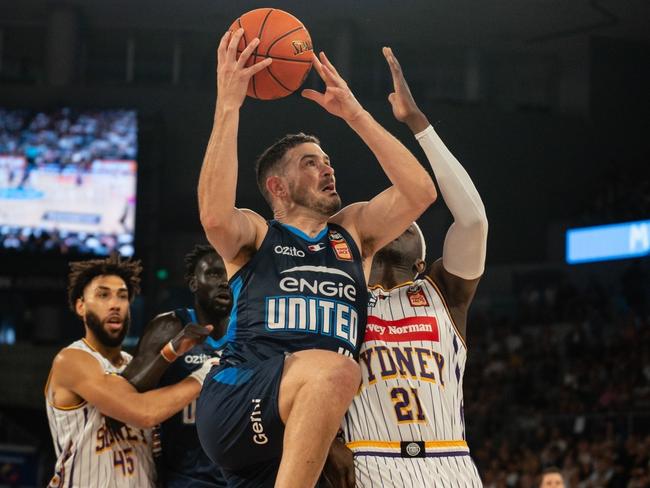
310,162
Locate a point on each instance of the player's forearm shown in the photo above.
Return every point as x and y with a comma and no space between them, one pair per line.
218,179
457,189
402,168
162,403
146,376
465,244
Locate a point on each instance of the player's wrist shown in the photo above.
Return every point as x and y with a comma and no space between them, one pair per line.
168,352
227,108
417,122
360,117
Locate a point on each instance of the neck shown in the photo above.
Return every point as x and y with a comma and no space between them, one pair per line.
389,275
311,224
113,354
216,320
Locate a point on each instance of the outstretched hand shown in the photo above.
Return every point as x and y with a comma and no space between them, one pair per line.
404,107
191,335
337,98
232,74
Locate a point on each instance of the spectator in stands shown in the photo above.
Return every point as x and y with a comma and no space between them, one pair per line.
551,478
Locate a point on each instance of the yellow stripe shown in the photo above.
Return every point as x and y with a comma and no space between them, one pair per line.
397,445
379,287
73,407
83,339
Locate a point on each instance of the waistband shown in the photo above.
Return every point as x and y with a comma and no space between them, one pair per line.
410,449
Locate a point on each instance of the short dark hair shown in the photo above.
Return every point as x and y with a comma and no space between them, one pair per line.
269,159
193,257
83,272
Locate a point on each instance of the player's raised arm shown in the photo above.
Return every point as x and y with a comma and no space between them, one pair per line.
463,256
386,216
77,373
227,228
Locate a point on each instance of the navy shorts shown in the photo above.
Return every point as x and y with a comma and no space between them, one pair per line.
178,480
238,421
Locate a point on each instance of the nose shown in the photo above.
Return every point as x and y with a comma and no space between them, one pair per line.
115,303
327,170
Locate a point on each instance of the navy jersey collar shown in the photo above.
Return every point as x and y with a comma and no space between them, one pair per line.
302,235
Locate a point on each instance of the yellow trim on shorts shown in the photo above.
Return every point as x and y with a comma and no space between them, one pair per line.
398,445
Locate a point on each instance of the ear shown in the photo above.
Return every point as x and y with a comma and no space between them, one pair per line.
80,307
419,266
193,285
276,186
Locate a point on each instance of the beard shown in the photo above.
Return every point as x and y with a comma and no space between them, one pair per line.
96,325
325,205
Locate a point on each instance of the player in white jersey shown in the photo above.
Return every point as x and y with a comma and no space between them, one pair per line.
405,426
84,386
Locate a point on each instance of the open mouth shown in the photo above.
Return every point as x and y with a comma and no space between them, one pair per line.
114,322
329,188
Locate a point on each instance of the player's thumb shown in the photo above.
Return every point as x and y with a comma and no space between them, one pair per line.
391,98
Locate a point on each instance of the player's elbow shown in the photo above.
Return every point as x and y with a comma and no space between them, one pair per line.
422,195
146,420
210,221
477,223
474,230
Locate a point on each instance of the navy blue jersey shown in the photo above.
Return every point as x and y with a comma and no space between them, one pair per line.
298,293
182,454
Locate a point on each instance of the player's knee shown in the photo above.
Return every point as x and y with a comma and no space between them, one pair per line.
343,375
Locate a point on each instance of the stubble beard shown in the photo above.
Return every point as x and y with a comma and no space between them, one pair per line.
326,206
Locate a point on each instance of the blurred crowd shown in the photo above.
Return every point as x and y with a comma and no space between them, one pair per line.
594,463
66,137
564,382
38,241
623,194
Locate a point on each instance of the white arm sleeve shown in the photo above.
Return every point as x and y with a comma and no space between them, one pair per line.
464,250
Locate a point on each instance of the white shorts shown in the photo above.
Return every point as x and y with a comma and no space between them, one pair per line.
437,470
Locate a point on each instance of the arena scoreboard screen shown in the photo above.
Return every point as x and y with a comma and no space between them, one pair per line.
68,180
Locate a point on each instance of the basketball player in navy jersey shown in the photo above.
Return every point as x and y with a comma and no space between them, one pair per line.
183,463
270,411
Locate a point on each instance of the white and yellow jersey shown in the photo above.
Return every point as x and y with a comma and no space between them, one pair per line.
88,453
406,425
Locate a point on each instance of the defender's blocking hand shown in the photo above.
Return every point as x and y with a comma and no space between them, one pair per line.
337,99
191,335
404,107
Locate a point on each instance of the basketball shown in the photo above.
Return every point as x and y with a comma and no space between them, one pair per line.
283,38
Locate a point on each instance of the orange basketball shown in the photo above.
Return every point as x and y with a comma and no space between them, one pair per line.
283,38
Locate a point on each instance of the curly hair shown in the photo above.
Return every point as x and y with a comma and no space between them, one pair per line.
193,257
83,272
269,160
